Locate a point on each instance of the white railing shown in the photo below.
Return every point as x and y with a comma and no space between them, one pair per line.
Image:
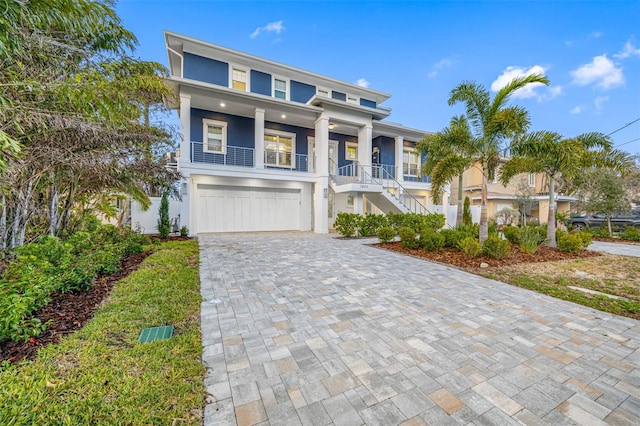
405,198
282,160
234,155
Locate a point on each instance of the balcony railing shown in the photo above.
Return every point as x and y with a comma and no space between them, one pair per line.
423,179
282,160
234,156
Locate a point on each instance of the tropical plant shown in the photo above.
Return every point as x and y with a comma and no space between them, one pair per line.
431,240
493,123
496,248
470,246
607,196
466,213
347,224
386,234
547,152
164,222
408,237
448,156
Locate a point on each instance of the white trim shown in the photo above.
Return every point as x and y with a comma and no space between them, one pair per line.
287,82
532,182
293,147
419,164
352,99
347,145
323,91
205,130
247,72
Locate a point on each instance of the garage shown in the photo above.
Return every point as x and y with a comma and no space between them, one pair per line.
242,209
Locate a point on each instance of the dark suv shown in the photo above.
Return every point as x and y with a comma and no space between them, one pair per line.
600,219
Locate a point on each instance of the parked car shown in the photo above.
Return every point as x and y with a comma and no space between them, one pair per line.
600,219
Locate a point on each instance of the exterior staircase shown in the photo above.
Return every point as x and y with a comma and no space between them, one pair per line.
380,186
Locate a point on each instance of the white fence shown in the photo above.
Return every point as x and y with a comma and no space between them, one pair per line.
452,212
147,221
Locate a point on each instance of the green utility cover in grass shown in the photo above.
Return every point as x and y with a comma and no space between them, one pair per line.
156,333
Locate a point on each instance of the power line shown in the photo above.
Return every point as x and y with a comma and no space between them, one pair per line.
636,139
626,125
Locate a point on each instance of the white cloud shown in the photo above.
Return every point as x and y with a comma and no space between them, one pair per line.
553,92
599,102
575,110
275,27
629,50
439,66
595,34
512,72
601,71
362,82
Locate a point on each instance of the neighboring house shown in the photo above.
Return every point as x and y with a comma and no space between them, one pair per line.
534,185
266,146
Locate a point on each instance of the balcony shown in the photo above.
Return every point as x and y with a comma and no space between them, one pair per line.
282,160
419,178
244,157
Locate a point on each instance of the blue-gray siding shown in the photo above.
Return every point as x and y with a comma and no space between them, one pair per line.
260,83
301,92
240,130
205,69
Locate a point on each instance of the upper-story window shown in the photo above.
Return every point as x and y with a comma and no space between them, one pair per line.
280,88
215,136
351,151
410,162
279,148
239,79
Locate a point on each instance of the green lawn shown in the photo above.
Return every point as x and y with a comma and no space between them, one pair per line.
102,375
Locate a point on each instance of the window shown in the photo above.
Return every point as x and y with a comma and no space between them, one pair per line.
410,163
351,151
279,88
214,136
532,179
239,79
279,148
350,200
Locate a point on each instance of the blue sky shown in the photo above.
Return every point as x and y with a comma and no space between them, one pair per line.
417,51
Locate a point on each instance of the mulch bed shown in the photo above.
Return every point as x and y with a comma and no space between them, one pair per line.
458,259
69,312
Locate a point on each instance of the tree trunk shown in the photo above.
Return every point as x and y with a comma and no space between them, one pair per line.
551,219
609,225
53,210
484,217
460,202
24,215
3,224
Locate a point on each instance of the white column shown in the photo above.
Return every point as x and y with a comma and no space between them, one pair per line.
185,129
185,159
399,156
258,161
364,145
358,203
321,187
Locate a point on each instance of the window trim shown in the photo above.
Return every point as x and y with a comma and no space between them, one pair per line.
247,72
287,82
356,99
419,163
279,133
205,130
323,89
348,145
532,180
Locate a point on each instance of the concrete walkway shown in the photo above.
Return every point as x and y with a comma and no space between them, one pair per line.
616,248
307,329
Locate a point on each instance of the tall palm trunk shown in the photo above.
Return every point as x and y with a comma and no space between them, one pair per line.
484,216
551,219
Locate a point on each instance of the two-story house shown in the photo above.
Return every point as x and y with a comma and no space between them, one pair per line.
531,186
266,146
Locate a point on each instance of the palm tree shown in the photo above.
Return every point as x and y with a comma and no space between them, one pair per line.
547,152
448,155
493,123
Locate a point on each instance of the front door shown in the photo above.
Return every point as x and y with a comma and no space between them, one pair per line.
333,155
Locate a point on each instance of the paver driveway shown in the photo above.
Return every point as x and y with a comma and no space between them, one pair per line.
301,328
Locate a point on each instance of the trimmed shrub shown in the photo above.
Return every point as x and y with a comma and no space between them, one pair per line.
466,212
599,232
164,222
347,224
431,240
512,234
434,221
184,231
386,234
630,233
496,248
571,243
408,237
395,220
414,221
470,246
585,237
369,224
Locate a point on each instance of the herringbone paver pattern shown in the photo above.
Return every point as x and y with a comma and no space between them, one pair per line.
308,329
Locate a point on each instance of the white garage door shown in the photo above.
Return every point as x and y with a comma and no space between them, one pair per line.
235,209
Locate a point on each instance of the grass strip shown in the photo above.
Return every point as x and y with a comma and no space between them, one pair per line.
102,375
